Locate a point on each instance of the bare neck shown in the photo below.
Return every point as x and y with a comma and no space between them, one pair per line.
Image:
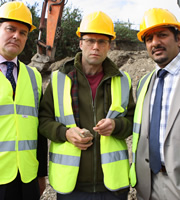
91,69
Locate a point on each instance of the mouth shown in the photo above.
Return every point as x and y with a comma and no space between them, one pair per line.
158,50
94,55
13,44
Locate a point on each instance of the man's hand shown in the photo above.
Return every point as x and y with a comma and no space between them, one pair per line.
105,127
75,136
42,184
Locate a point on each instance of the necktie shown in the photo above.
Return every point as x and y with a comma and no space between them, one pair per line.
9,74
154,146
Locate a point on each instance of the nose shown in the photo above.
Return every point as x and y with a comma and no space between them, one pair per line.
155,40
16,35
96,45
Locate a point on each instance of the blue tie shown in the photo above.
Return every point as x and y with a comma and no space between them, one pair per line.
9,74
154,146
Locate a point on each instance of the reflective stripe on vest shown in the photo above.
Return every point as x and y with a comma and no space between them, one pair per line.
34,86
6,109
141,92
69,164
122,95
24,110
114,156
19,124
64,157
116,159
64,118
22,145
114,153
21,110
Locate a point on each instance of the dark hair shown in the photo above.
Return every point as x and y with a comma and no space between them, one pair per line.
5,20
175,31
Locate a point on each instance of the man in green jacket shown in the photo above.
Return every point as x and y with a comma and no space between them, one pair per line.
88,153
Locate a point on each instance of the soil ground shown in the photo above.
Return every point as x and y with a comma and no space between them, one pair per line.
137,64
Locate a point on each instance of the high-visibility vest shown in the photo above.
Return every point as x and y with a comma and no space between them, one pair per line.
141,92
18,125
65,157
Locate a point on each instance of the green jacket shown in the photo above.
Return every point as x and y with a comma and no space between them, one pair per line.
90,177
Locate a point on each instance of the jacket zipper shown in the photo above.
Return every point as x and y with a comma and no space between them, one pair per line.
94,145
95,122
96,135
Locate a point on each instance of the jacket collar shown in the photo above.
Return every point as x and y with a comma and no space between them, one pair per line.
110,68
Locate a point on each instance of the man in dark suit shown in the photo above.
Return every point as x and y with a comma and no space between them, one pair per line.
22,177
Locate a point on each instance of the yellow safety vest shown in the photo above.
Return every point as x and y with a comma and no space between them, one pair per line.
65,157
141,92
19,124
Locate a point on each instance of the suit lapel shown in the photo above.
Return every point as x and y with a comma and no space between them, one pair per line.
146,107
174,108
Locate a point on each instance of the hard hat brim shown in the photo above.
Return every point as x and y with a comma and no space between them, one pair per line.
78,33
141,34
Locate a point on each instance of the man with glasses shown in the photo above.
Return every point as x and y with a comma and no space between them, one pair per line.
87,112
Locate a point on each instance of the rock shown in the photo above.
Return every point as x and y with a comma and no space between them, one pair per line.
137,64
86,133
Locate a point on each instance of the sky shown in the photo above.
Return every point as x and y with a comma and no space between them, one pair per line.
120,10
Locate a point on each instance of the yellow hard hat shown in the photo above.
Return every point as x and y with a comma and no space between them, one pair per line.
17,11
156,17
97,22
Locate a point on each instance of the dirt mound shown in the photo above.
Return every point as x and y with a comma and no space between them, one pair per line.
137,64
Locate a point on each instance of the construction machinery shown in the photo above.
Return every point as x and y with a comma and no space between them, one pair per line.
51,27
178,2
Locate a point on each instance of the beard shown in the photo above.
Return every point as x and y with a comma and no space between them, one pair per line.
161,61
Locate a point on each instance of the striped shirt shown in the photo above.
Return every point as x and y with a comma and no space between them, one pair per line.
170,84
3,67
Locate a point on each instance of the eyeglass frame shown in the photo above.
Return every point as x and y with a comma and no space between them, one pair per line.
92,41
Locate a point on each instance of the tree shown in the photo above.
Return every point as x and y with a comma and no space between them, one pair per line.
30,47
68,44
124,32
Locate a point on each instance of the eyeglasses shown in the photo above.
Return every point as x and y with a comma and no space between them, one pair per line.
91,42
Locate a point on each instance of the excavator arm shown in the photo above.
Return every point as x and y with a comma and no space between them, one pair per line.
178,2
52,28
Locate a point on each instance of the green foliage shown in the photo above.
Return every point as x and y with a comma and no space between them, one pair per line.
30,47
124,32
68,45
